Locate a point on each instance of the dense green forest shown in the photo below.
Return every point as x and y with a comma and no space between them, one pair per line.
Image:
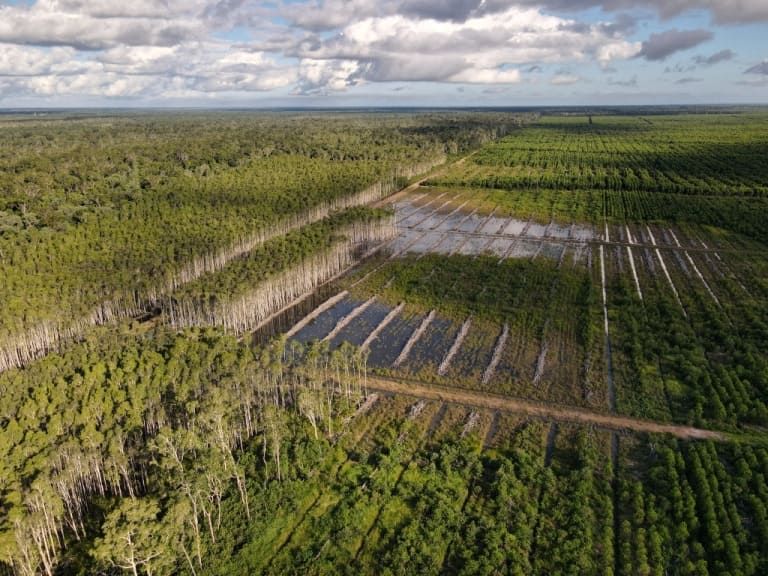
461,412
161,415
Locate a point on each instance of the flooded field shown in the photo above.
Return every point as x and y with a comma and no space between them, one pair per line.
444,225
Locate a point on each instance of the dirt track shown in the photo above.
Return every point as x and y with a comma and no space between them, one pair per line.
552,412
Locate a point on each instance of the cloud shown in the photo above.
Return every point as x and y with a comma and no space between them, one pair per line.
564,79
196,68
146,47
761,68
154,49
330,14
688,80
722,11
68,23
320,76
484,49
624,24
664,44
451,11
716,58
27,61
321,15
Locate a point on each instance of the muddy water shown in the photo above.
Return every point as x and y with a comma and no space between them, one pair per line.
429,351
451,243
404,239
431,222
515,227
524,249
452,221
475,352
421,215
471,223
474,245
358,329
462,232
426,242
501,246
557,231
323,324
386,348
536,230
493,226
583,233
284,321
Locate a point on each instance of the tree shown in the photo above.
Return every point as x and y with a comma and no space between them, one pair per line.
132,541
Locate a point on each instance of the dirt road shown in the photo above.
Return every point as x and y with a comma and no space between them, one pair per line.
548,411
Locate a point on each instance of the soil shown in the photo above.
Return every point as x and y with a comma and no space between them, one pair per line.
531,408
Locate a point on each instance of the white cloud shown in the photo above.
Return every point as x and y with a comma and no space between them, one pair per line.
616,51
45,24
178,48
484,49
101,24
722,11
238,69
323,75
27,61
141,71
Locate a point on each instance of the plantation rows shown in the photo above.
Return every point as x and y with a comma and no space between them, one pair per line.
676,155
695,508
687,168
505,214
150,448
420,491
273,275
737,215
272,460
696,357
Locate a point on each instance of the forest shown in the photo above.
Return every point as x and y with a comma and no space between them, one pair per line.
452,342
101,217
219,458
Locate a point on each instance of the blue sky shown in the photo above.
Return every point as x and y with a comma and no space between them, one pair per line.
382,52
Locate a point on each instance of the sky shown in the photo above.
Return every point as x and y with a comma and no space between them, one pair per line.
297,53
